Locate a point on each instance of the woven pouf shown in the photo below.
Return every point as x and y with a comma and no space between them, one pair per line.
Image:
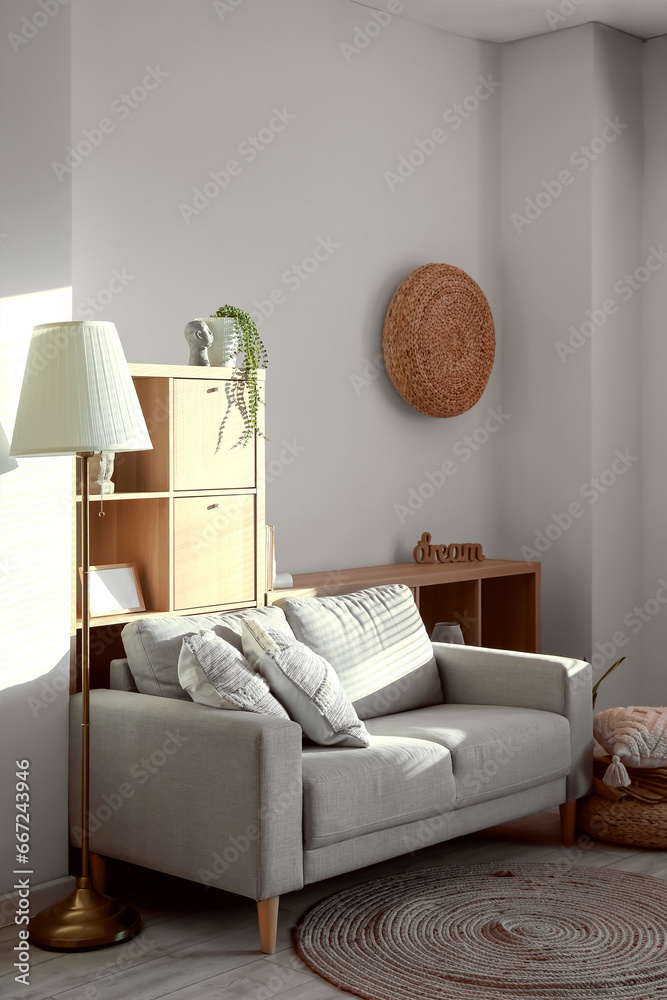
628,821
439,340
483,933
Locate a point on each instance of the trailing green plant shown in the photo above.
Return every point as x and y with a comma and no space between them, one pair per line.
254,357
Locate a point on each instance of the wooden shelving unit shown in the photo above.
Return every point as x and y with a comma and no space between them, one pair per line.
496,601
189,514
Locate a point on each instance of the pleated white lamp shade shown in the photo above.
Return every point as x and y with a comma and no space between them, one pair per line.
77,394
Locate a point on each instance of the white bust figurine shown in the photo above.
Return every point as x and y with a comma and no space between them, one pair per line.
200,338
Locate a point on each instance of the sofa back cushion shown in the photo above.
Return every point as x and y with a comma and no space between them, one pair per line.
376,642
153,645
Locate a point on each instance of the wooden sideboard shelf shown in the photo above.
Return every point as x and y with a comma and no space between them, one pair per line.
189,514
496,601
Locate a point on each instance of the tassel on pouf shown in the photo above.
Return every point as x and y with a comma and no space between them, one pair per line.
616,774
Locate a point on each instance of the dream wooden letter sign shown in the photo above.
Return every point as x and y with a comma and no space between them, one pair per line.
424,552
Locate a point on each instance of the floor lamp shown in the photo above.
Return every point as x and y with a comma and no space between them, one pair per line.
78,398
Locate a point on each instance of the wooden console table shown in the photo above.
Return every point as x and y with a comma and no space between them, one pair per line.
496,601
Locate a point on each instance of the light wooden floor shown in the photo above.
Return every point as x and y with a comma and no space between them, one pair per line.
202,944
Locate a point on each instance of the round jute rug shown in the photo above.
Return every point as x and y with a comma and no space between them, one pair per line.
484,932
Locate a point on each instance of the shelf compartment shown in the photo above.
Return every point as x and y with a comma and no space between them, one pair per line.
457,601
509,613
199,463
148,471
214,551
134,531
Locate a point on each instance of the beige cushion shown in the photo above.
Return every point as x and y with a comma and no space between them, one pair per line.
306,685
376,642
496,750
638,735
214,673
153,645
396,780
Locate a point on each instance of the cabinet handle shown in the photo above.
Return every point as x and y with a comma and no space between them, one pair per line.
213,506
216,388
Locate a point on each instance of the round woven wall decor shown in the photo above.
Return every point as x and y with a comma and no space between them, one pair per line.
439,340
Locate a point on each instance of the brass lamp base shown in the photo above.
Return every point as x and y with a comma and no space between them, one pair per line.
85,919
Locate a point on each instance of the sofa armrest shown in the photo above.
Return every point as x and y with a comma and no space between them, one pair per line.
475,675
209,795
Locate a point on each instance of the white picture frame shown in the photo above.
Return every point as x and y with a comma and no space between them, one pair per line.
114,589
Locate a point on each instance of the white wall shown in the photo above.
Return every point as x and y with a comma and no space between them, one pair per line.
35,497
356,450
570,369
615,356
654,366
547,261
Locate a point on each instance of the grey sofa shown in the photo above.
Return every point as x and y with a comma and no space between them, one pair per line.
236,800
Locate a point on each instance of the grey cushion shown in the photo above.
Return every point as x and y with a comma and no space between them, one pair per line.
376,642
396,780
153,645
306,685
214,673
495,750
120,676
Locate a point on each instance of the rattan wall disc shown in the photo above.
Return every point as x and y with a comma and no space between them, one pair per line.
439,341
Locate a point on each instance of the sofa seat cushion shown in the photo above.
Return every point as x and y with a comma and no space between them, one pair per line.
376,642
347,793
153,645
495,750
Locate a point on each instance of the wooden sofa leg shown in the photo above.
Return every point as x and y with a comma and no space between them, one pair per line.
267,913
568,819
98,871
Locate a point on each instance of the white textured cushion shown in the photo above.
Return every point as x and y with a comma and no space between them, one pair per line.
306,685
214,673
638,735
376,642
153,645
